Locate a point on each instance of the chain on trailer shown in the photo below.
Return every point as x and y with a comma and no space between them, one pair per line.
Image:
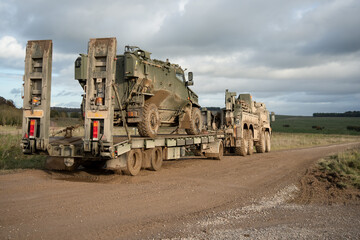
99,108
37,92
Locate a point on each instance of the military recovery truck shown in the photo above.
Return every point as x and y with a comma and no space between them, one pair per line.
246,124
151,92
242,125
115,86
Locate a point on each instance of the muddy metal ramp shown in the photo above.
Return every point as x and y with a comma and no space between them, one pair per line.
37,93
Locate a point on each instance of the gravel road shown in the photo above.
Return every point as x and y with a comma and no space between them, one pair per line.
235,198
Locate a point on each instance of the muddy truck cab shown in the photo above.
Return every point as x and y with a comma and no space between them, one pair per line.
150,93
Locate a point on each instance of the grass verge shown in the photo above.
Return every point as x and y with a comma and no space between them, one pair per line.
11,156
344,166
281,141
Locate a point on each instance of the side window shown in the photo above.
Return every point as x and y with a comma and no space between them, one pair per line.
180,76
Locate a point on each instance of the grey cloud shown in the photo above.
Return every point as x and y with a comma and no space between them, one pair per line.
337,29
68,104
71,23
15,91
303,51
66,93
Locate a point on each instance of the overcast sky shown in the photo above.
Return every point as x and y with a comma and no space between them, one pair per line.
298,56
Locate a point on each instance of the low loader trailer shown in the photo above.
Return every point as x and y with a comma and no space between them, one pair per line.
130,156
99,146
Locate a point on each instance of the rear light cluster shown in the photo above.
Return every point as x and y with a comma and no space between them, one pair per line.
95,131
132,114
99,101
32,128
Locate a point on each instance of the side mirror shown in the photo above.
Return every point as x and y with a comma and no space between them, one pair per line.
190,76
190,79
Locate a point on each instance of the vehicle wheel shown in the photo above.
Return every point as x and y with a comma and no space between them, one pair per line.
221,151
250,142
150,123
156,159
195,122
268,142
213,154
242,150
260,146
133,162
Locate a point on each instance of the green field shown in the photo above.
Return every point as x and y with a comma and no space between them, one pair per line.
281,141
301,124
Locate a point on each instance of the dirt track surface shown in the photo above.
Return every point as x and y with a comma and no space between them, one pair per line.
235,198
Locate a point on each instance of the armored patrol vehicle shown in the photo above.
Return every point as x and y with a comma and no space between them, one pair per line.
151,93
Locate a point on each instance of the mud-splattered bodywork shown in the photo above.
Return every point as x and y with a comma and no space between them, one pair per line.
140,80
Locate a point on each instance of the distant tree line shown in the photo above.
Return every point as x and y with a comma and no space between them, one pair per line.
63,109
7,102
58,112
10,115
345,114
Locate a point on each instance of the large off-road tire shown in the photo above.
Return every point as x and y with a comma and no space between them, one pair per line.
156,159
242,150
267,142
221,151
133,162
150,123
195,122
250,142
260,146
216,150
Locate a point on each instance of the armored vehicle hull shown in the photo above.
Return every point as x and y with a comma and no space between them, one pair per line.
151,92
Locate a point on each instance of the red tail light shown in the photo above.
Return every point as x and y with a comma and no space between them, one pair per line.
95,130
32,128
